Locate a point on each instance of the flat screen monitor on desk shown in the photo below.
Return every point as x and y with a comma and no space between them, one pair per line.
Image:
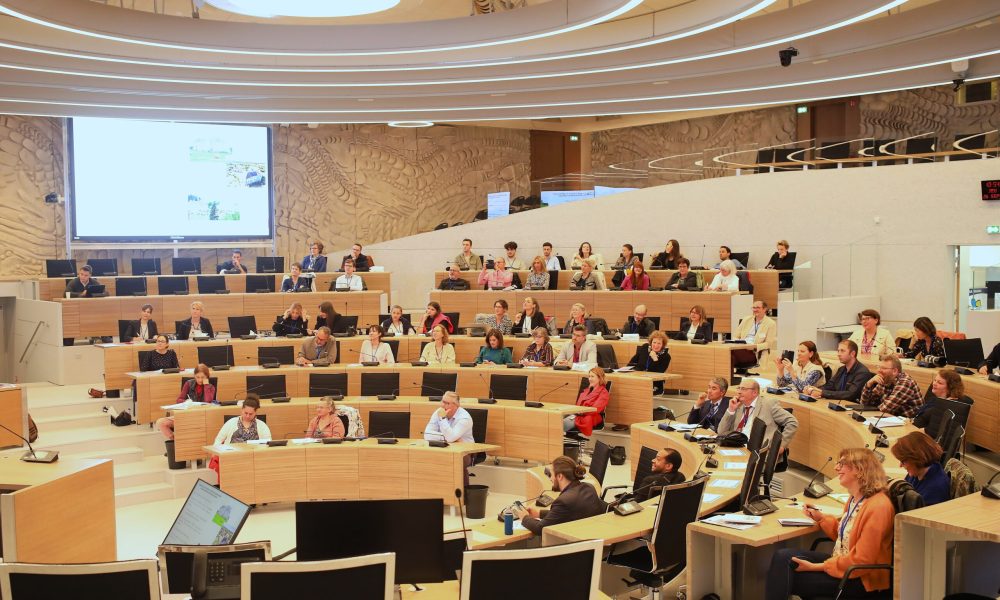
186,265
964,353
172,285
260,283
146,266
413,529
270,264
126,580
130,286
106,267
211,284
751,479
60,268
209,517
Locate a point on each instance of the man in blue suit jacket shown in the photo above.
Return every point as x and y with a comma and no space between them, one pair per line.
711,405
315,262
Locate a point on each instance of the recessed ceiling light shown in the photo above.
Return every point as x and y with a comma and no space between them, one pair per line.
366,99
660,82
498,95
411,124
303,8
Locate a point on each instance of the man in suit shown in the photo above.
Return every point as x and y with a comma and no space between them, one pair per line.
849,380
577,500
710,405
666,466
758,330
235,265
319,350
361,262
638,323
453,281
578,350
749,405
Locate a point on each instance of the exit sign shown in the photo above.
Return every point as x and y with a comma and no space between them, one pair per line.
991,189
993,229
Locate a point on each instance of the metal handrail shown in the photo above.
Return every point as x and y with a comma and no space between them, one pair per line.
30,340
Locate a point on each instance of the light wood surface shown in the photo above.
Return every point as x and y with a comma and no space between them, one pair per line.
63,512
14,416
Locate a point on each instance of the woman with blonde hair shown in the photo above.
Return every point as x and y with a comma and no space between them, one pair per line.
577,316
439,351
326,423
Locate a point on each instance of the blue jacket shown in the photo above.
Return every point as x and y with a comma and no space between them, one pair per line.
935,487
319,266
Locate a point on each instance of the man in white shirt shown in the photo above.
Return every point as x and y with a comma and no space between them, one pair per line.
578,350
451,423
551,260
749,405
513,262
349,279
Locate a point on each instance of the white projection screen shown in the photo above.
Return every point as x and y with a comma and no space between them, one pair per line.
154,180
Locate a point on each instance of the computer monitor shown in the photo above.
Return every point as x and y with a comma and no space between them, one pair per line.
168,285
242,325
751,479
773,454
130,286
209,517
271,264
344,323
146,266
413,529
60,268
266,386
964,353
125,580
275,354
105,267
259,283
369,576
216,355
487,574
210,284
188,265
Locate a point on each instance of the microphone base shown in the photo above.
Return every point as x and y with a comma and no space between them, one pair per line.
992,491
875,430
712,463
858,417
487,401
221,368
437,443
388,441
45,456
435,398
817,490
533,404
836,407
281,400
386,397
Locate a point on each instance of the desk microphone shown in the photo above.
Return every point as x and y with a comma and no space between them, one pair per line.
491,399
538,403
837,406
384,440
666,426
45,456
232,402
433,389
461,512
442,443
874,428
390,396
818,490
333,393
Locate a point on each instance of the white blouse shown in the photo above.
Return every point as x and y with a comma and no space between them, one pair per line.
382,354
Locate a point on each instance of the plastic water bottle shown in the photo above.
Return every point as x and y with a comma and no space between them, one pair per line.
508,522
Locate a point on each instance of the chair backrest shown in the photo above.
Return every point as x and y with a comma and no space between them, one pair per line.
373,384
132,580
209,284
453,317
562,261
266,386
168,284
146,266
744,279
656,321
216,355
671,523
599,461
606,357
903,496
921,145
371,576
259,283
596,325
488,573
389,424
554,278
743,257
326,384
756,438
122,326
242,325
644,468
130,286
509,387
435,384
394,346
344,323
951,442
280,354
480,418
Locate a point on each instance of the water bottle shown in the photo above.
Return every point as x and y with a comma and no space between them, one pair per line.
508,522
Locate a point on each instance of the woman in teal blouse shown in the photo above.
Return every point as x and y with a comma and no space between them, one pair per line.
493,353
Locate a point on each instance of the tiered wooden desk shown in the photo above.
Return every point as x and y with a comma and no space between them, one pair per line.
351,470
983,428
55,287
614,307
13,416
84,317
765,281
513,430
63,512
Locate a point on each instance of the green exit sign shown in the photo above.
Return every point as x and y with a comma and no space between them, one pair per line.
993,229
802,109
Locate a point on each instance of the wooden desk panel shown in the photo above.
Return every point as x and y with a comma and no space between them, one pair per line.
433,474
384,472
278,474
13,416
332,475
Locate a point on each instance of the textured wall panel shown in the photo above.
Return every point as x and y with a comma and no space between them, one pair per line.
913,112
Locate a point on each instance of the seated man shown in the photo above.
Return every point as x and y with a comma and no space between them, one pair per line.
319,350
361,262
551,260
513,262
893,391
234,266
467,260
710,406
992,361
726,254
666,471
638,323
758,330
349,280
453,281
577,500
685,279
749,405
578,350
847,382
588,278
451,423
499,277
80,287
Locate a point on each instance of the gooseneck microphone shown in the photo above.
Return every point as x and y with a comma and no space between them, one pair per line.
818,490
424,386
874,428
491,399
538,403
45,456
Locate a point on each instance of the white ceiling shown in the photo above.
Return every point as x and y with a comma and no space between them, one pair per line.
552,58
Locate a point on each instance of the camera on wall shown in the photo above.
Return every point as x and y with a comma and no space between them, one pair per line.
786,55
53,198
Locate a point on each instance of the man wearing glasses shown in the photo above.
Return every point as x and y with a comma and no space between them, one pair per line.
749,405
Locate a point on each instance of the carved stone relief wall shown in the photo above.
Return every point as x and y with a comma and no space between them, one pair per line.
913,112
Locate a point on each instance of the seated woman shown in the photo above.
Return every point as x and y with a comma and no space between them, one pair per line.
695,326
493,353
539,352
685,279
327,317
588,278
725,280
246,427
668,258
806,371
925,340
439,351
586,252
862,535
652,357
197,390
946,385
326,423
638,280
293,321
161,357
499,319
374,349
921,457
397,323
780,260
497,279
315,262
195,325
143,329
595,395
295,281
435,317
870,338
625,259
577,316
538,277
529,318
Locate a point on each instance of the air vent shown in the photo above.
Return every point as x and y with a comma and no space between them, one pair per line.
979,91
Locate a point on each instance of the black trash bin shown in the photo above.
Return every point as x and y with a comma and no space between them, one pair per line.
659,413
172,462
475,501
571,448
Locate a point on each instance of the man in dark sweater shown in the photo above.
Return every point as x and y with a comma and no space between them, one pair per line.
577,500
666,471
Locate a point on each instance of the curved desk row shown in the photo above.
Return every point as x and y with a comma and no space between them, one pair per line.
84,317
512,429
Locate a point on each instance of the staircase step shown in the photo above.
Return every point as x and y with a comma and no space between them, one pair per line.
71,421
105,437
75,406
140,494
151,469
122,455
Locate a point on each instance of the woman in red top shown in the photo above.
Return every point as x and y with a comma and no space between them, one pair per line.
435,317
198,389
638,280
595,395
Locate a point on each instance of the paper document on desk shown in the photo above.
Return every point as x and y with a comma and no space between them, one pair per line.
729,452
183,405
885,421
478,537
624,369
685,426
303,441
723,521
223,448
735,466
709,498
724,483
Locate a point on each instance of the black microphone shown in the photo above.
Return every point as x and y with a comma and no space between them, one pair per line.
990,490
491,399
232,402
335,393
46,456
666,426
874,428
837,406
432,388
538,403
698,473
389,396
818,490
384,440
461,512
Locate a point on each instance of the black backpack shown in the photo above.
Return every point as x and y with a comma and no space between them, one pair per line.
618,455
903,496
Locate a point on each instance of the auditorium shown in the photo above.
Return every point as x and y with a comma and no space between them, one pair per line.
489,299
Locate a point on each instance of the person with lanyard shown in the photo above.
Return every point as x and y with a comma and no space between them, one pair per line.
467,260
374,349
529,318
326,423
349,280
638,323
652,357
870,338
319,350
295,281
451,423
848,381
142,329
578,350
315,262
863,535
551,260
198,389
454,281
397,323
749,405
439,351
497,279
807,371
758,330
709,407
539,352
494,353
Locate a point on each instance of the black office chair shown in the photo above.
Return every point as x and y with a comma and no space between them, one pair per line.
375,384
756,438
553,280
259,283
327,384
562,262
142,357
130,286
972,142
951,442
243,325
436,384
771,461
480,418
599,461
266,386
743,257
833,151
922,145
394,346
276,354
643,469
216,355
453,317
959,408
745,284
345,323
664,559
606,357
389,424
596,325
509,387
764,156
122,326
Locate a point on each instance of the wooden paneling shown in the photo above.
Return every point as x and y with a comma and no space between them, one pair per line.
13,407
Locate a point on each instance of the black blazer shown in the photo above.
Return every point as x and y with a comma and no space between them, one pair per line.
782,264
855,382
641,360
457,285
577,501
662,261
704,331
645,328
701,415
650,482
537,320
285,325
407,326
319,266
184,328
132,331
229,266
687,283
